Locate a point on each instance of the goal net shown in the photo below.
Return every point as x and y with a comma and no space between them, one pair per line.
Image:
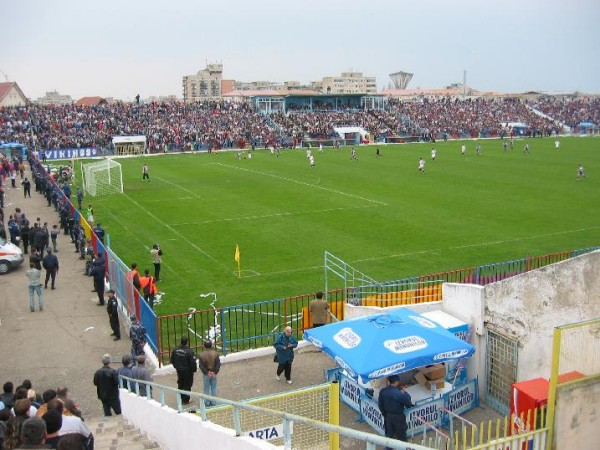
102,177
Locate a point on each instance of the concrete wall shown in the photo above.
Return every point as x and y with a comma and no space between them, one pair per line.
578,416
527,307
530,305
466,302
182,431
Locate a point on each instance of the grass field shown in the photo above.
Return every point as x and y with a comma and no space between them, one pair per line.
379,214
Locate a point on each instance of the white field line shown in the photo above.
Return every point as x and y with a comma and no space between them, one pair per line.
192,193
267,216
303,183
177,233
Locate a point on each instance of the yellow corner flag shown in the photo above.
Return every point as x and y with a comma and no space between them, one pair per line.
236,257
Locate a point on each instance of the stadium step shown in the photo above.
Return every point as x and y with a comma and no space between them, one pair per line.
115,433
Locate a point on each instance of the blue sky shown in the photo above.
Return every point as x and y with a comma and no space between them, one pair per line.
122,48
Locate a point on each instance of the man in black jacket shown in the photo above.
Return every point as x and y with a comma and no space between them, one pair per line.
106,381
184,362
112,308
97,271
50,263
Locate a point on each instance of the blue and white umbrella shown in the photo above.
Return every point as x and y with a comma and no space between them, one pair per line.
381,345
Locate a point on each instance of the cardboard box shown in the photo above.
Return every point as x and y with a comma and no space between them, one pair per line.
439,383
456,373
434,372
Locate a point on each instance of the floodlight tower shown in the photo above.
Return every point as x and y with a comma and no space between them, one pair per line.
401,79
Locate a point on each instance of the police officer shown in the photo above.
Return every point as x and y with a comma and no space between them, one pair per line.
97,271
184,362
137,334
50,263
99,232
392,402
112,308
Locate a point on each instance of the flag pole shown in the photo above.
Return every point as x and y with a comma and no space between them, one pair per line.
236,257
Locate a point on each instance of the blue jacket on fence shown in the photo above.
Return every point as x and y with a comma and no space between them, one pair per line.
285,354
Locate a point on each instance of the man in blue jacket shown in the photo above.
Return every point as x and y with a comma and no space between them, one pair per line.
284,347
392,402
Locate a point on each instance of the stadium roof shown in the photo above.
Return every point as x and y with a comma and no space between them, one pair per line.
271,93
4,88
412,92
90,101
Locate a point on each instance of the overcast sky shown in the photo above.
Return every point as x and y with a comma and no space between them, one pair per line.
121,48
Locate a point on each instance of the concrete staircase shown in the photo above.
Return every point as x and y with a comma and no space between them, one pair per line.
115,433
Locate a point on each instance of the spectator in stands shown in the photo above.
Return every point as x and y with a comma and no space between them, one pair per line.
70,423
12,438
22,394
53,421
4,418
125,370
8,397
73,441
140,372
33,433
70,407
106,381
46,397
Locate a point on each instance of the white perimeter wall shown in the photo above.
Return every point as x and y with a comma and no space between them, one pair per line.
182,431
577,416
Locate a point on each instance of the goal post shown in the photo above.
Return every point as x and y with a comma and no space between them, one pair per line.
102,177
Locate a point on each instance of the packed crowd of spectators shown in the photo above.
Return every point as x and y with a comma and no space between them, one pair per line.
26,417
472,118
224,124
571,112
173,125
320,125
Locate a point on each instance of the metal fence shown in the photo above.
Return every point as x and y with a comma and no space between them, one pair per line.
255,325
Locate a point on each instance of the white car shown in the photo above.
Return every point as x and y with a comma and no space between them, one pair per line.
10,256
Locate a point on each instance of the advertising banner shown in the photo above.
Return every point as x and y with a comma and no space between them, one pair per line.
70,153
458,401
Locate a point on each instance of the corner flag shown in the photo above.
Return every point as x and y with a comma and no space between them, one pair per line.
236,257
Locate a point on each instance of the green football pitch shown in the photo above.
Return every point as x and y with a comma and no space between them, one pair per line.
379,214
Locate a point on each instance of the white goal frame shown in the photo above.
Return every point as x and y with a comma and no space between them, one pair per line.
102,177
